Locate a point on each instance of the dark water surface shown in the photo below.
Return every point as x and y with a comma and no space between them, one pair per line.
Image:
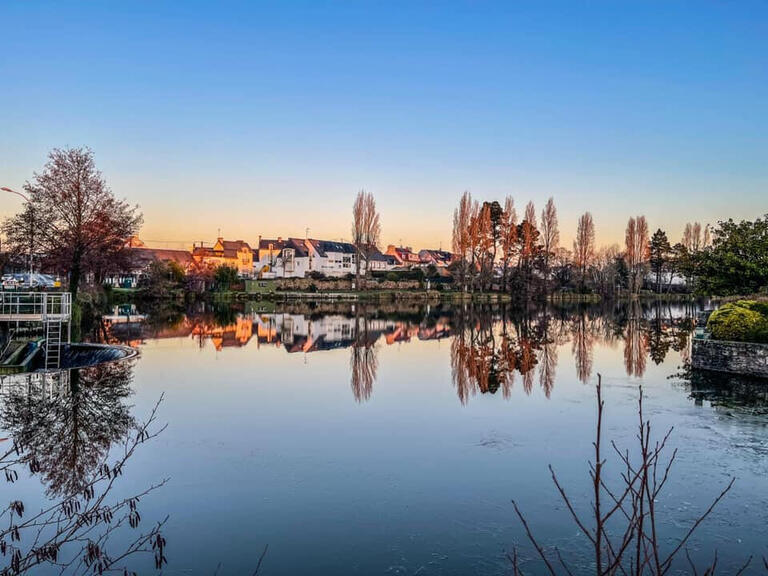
392,441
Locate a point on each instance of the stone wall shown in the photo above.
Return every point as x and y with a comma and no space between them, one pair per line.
341,284
734,357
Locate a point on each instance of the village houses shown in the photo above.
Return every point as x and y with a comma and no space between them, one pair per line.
295,258
139,258
281,258
439,258
233,253
276,258
404,256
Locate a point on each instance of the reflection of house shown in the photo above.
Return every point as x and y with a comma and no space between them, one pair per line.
441,329
439,258
404,255
298,333
281,258
401,333
234,253
237,334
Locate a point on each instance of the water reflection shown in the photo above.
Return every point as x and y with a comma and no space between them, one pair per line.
727,394
363,361
584,333
64,425
66,422
491,346
288,379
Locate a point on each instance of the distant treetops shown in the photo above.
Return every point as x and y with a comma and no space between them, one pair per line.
495,251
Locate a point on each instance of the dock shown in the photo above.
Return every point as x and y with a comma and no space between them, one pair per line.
53,310
35,306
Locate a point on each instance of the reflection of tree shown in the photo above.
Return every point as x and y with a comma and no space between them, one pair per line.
363,360
66,435
224,315
63,426
487,351
653,332
582,344
547,367
635,348
658,343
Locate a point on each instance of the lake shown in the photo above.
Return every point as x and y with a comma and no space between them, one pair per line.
392,440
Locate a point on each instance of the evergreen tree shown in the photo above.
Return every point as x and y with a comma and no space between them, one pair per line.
659,255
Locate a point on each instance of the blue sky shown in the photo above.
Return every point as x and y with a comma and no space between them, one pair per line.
263,119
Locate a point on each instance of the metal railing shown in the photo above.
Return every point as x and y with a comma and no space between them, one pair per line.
35,306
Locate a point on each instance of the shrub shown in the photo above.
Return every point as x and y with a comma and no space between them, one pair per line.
415,274
760,307
742,321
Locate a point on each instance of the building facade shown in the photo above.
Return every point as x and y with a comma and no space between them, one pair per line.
234,253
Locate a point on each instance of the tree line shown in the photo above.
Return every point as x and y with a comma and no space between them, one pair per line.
495,250
77,228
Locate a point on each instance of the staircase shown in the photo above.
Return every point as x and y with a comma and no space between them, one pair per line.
53,333
4,351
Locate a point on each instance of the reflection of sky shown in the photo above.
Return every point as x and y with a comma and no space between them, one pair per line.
269,447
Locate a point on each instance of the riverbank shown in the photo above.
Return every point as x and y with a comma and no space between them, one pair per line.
341,292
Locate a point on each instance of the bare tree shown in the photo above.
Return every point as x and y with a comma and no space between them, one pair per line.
476,225
530,214
584,246
605,271
550,234
623,527
636,251
696,237
462,217
692,237
483,242
508,238
366,229
80,227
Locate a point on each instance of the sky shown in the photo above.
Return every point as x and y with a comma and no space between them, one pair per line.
264,119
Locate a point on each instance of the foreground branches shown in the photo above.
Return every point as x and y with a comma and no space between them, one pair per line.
73,532
623,529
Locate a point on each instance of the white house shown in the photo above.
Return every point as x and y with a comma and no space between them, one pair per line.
295,257
332,258
281,258
380,262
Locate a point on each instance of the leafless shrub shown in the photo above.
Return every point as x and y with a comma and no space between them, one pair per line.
631,546
72,533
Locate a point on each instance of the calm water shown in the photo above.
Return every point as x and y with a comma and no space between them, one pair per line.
392,441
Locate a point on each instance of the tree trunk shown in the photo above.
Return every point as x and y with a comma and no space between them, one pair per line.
75,272
357,267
